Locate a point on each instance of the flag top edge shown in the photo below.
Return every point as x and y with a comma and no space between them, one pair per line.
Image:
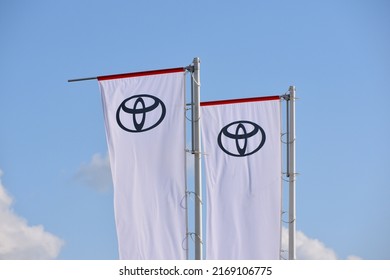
139,74
240,100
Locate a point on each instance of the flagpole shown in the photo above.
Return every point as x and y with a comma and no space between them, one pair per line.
291,174
197,152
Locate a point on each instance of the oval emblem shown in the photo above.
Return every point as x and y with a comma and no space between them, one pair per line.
241,138
140,113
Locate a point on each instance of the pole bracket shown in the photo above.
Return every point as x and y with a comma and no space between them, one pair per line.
190,68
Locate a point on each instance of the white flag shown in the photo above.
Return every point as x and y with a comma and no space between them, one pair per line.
144,117
242,154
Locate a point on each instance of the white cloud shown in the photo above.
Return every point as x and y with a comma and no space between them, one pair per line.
96,173
18,240
310,249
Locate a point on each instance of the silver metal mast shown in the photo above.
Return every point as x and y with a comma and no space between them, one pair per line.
197,154
292,175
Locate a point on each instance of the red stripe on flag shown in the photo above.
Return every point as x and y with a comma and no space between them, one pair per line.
240,100
139,74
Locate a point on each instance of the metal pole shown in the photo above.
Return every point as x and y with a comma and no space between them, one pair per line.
197,152
82,79
291,174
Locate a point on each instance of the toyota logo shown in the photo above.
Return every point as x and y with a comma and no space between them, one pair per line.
241,138
140,113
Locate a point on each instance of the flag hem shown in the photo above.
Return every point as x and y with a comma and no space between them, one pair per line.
140,74
239,100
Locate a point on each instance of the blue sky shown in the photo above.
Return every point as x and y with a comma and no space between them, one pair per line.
55,190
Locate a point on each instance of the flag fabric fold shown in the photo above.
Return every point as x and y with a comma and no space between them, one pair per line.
145,128
242,157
